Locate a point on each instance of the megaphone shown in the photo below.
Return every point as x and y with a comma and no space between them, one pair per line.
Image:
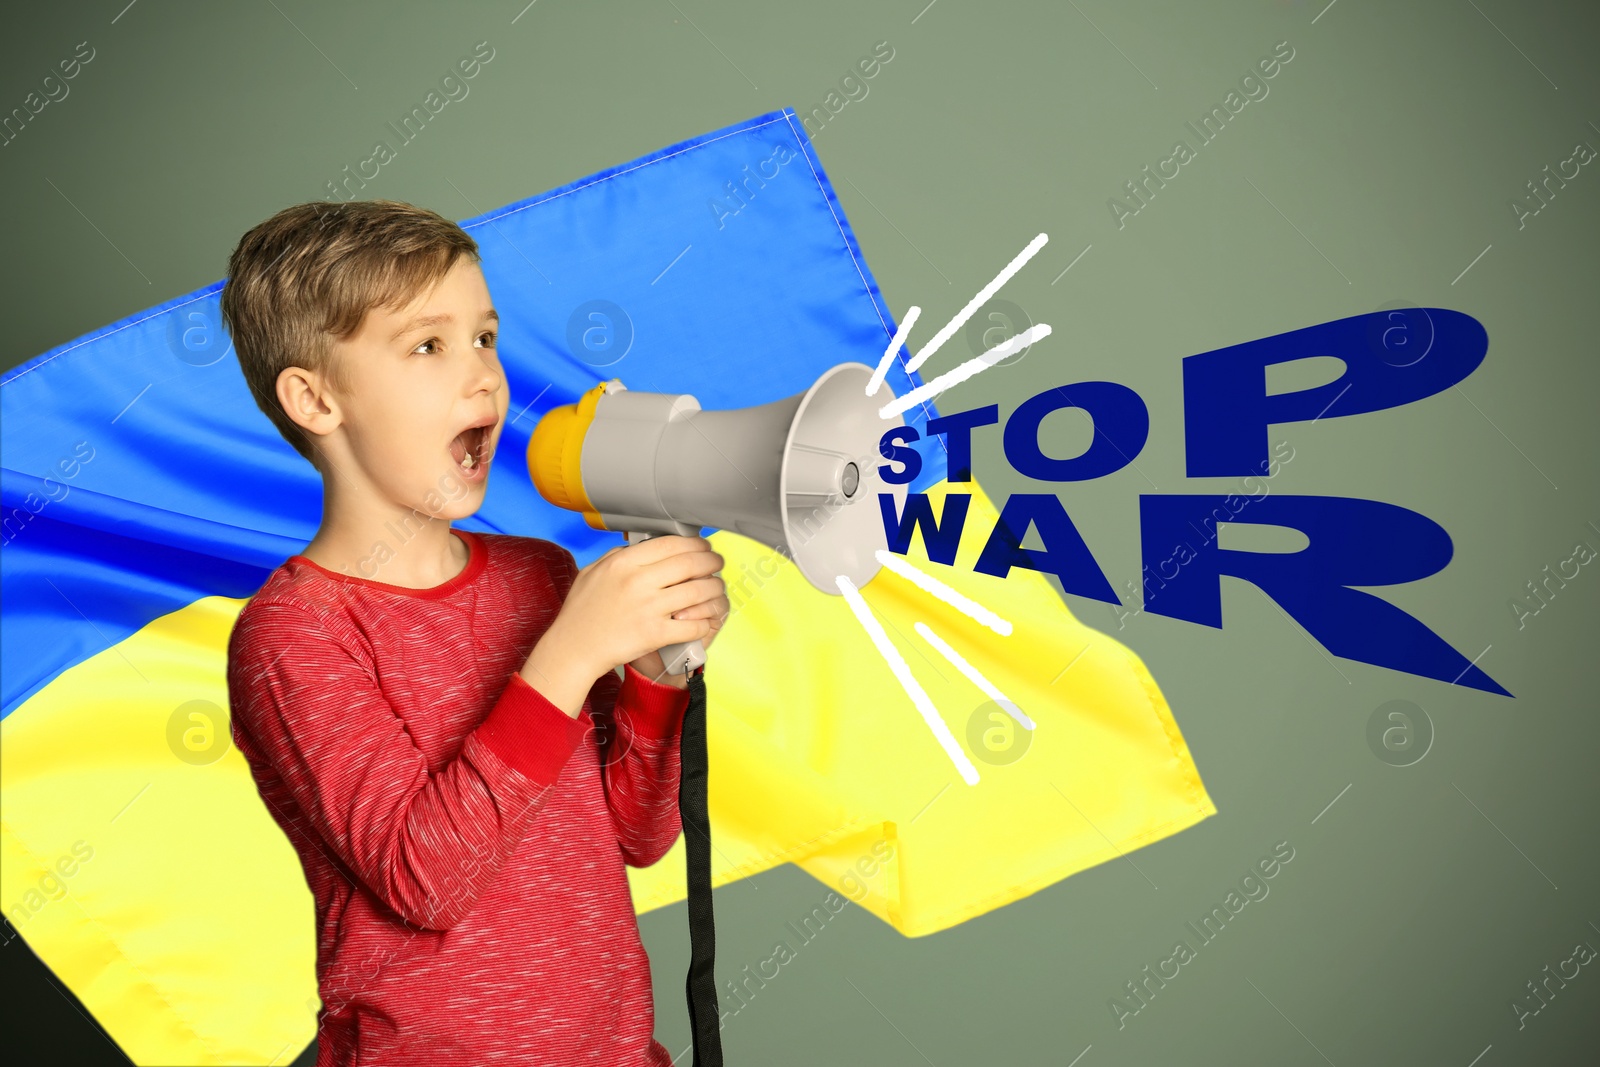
797,474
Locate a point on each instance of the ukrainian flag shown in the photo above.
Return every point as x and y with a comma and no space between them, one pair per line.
145,499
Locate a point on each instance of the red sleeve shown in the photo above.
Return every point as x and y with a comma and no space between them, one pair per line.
426,844
641,726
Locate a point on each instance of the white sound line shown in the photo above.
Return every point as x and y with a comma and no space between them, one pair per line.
974,675
902,673
928,583
966,370
894,347
976,302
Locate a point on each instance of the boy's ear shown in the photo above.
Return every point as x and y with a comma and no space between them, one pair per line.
308,401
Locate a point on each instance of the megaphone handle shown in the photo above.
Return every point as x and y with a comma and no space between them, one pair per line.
684,656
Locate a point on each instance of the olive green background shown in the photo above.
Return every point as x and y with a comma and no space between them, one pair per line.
1378,169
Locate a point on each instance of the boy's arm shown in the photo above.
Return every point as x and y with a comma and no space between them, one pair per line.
426,844
641,725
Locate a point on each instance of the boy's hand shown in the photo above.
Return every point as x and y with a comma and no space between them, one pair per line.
714,611
635,599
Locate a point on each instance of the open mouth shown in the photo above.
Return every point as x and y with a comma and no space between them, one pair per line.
472,449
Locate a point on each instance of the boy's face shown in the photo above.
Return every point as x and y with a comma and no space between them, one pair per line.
425,393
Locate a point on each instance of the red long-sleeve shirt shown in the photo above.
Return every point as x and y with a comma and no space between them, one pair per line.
463,838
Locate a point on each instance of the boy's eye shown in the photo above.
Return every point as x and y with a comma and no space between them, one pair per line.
431,345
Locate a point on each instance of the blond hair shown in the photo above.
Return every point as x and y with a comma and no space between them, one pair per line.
307,276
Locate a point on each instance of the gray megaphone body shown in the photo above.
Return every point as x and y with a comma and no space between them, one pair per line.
797,474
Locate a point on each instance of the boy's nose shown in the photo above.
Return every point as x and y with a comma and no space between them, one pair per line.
487,377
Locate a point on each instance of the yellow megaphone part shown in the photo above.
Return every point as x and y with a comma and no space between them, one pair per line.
555,453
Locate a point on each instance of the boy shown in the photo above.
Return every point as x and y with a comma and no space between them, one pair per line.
433,715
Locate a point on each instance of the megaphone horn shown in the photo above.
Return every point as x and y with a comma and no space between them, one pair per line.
797,474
